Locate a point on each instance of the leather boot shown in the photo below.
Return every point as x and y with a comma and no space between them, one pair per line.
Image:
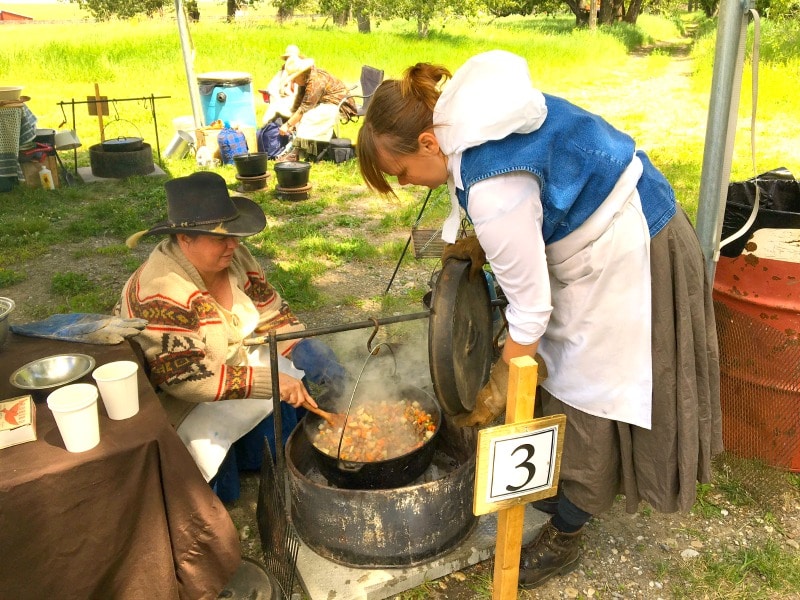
290,156
553,552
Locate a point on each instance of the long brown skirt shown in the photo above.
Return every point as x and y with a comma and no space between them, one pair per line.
662,465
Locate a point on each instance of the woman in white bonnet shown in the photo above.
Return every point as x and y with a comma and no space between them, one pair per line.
603,274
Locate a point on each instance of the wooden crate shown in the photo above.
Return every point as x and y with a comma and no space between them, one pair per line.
30,170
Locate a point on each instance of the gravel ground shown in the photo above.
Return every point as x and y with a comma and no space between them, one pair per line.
645,555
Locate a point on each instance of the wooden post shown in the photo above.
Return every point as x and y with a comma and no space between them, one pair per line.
523,374
99,112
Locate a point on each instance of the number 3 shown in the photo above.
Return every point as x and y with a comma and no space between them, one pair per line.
525,464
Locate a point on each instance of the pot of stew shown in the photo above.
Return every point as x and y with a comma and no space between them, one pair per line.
386,442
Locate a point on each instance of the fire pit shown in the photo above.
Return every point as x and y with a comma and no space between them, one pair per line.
386,527
292,179
252,183
121,163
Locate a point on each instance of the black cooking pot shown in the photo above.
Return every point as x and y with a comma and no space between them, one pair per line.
292,174
384,474
45,136
251,165
123,144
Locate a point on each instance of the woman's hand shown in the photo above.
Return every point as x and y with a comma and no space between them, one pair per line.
293,391
285,129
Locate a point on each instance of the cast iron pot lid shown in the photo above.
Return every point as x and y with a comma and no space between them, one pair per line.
250,581
459,337
123,144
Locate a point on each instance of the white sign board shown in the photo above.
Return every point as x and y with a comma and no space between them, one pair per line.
520,464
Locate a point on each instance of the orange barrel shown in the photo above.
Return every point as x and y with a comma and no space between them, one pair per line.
757,303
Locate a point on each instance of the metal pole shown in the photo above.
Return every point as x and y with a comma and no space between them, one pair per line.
188,61
722,114
408,242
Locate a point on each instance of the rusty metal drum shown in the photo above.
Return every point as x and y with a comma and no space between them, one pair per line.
757,303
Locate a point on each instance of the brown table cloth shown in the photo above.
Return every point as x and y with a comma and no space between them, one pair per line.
130,518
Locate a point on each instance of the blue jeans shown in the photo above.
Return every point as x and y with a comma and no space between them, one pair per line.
320,365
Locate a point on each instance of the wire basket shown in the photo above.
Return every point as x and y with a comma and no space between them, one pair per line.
427,243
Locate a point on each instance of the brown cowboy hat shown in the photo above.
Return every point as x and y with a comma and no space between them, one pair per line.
200,203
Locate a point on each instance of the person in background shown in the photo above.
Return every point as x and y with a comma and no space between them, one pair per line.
282,90
316,107
203,294
603,274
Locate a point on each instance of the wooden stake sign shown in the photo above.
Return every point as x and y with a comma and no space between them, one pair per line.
98,105
517,463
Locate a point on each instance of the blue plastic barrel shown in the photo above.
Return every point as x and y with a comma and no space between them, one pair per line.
227,96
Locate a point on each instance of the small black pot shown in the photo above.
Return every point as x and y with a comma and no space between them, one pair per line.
292,174
123,144
45,136
251,165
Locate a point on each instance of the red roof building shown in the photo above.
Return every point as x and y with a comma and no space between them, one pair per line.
9,16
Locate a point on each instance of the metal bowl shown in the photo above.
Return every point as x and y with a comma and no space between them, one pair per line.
6,308
52,371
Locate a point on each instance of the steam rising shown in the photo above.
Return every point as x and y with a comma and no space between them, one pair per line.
399,359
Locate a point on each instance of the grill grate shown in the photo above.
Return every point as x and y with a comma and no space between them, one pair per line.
279,540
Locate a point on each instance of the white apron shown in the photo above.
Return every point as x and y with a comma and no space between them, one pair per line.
598,338
318,123
212,427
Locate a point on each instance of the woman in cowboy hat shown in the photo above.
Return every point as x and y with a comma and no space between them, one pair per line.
317,105
202,294
282,91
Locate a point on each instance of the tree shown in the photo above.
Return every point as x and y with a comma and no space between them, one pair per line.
609,11
506,8
103,10
423,11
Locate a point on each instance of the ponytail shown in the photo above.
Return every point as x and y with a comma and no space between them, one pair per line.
399,111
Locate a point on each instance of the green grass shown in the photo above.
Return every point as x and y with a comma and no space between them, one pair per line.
143,58
768,572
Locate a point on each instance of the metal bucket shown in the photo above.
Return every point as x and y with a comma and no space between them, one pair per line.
67,140
179,145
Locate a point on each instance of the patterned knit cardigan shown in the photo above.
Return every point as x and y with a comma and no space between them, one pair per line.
186,340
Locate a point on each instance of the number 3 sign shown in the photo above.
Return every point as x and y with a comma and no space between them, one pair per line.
517,463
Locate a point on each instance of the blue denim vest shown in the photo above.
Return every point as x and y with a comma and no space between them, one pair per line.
578,158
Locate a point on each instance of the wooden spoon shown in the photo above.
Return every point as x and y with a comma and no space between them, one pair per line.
333,419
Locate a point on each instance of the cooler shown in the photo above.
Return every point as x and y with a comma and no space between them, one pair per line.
227,96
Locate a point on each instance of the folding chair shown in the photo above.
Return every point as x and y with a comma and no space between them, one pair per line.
316,150
371,78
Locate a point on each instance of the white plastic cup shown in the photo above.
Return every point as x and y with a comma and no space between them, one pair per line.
119,388
75,410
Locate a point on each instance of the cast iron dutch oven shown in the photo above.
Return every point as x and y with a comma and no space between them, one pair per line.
385,474
292,174
251,165
122,144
